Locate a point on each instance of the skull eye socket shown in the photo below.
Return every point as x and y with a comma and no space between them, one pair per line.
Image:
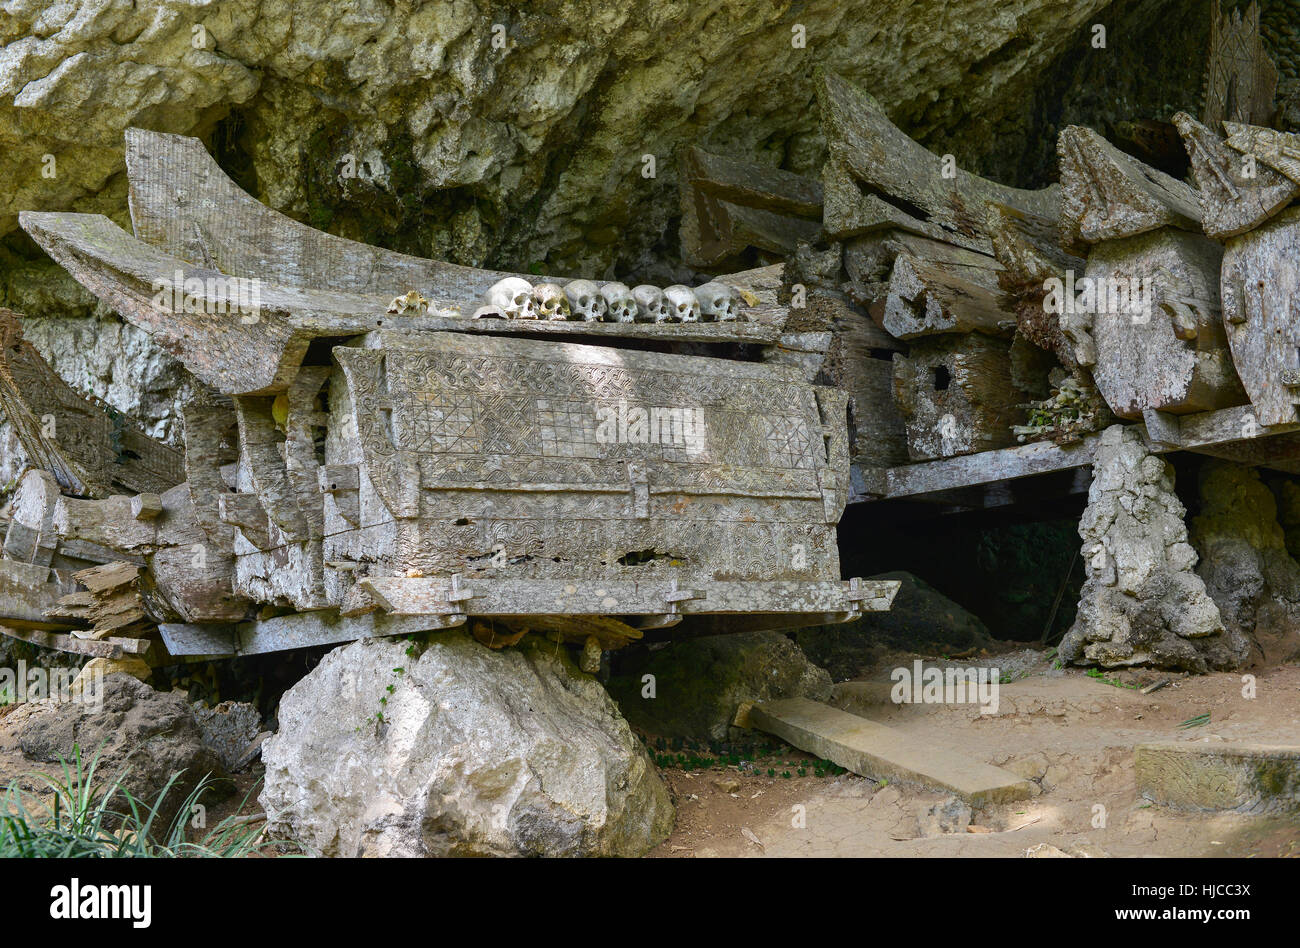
583,300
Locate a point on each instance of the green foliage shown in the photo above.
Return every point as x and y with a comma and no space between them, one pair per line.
1199,721
83,819
1113,682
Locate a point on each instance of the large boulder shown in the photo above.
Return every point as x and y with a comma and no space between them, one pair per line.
142,736
922,619
1248,571
453,749
696,686
1142,602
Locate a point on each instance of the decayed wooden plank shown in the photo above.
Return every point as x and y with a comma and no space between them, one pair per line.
925,299
1153,314
303,630
259,352
1236,195
1261,300
878,177
1226,426
1107,194
76,440
730,205
1240,79
484,596
96,648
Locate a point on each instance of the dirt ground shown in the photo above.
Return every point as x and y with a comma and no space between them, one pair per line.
1071,734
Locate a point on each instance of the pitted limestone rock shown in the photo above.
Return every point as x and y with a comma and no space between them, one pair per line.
479,752
1142,602
1244,560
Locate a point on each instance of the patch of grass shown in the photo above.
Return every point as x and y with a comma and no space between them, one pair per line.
83,819
1096,673
1199,721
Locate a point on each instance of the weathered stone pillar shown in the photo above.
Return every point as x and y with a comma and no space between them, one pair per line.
1142,602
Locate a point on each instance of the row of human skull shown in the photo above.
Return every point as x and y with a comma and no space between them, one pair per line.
516,298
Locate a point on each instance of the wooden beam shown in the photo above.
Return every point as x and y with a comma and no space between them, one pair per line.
1205,429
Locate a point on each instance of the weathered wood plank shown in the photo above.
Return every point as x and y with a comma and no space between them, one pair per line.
485,596
1206,429
96,648
1107,194
1261,300
1236,195
303,630
1279,151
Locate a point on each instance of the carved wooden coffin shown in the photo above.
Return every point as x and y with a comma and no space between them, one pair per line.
956,395
1261,311
1240,79
1151,306
556,478
878,178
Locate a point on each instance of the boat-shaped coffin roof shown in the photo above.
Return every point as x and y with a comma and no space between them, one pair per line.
241,353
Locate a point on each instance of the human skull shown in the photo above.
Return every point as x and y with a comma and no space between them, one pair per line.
649,303
718,302
620,306
550,301
683,307
585,300
409,303
513,296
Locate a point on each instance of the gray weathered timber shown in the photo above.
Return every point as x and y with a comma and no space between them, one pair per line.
403,596
74,439
255,353
1227,776
1107,194
925,299
113,647
1260,303
1240,78
304,630
956,396
1278,150
1236,195
883,753
729,206
877,177
1228,426
1150,304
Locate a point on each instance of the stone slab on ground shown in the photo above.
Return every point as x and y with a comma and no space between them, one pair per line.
1236,776
880,752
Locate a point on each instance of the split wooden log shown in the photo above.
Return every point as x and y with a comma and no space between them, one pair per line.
1237,192
114,603
1107,195
879,178
956,396
1150,306
1261,310
1240,78
729,206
